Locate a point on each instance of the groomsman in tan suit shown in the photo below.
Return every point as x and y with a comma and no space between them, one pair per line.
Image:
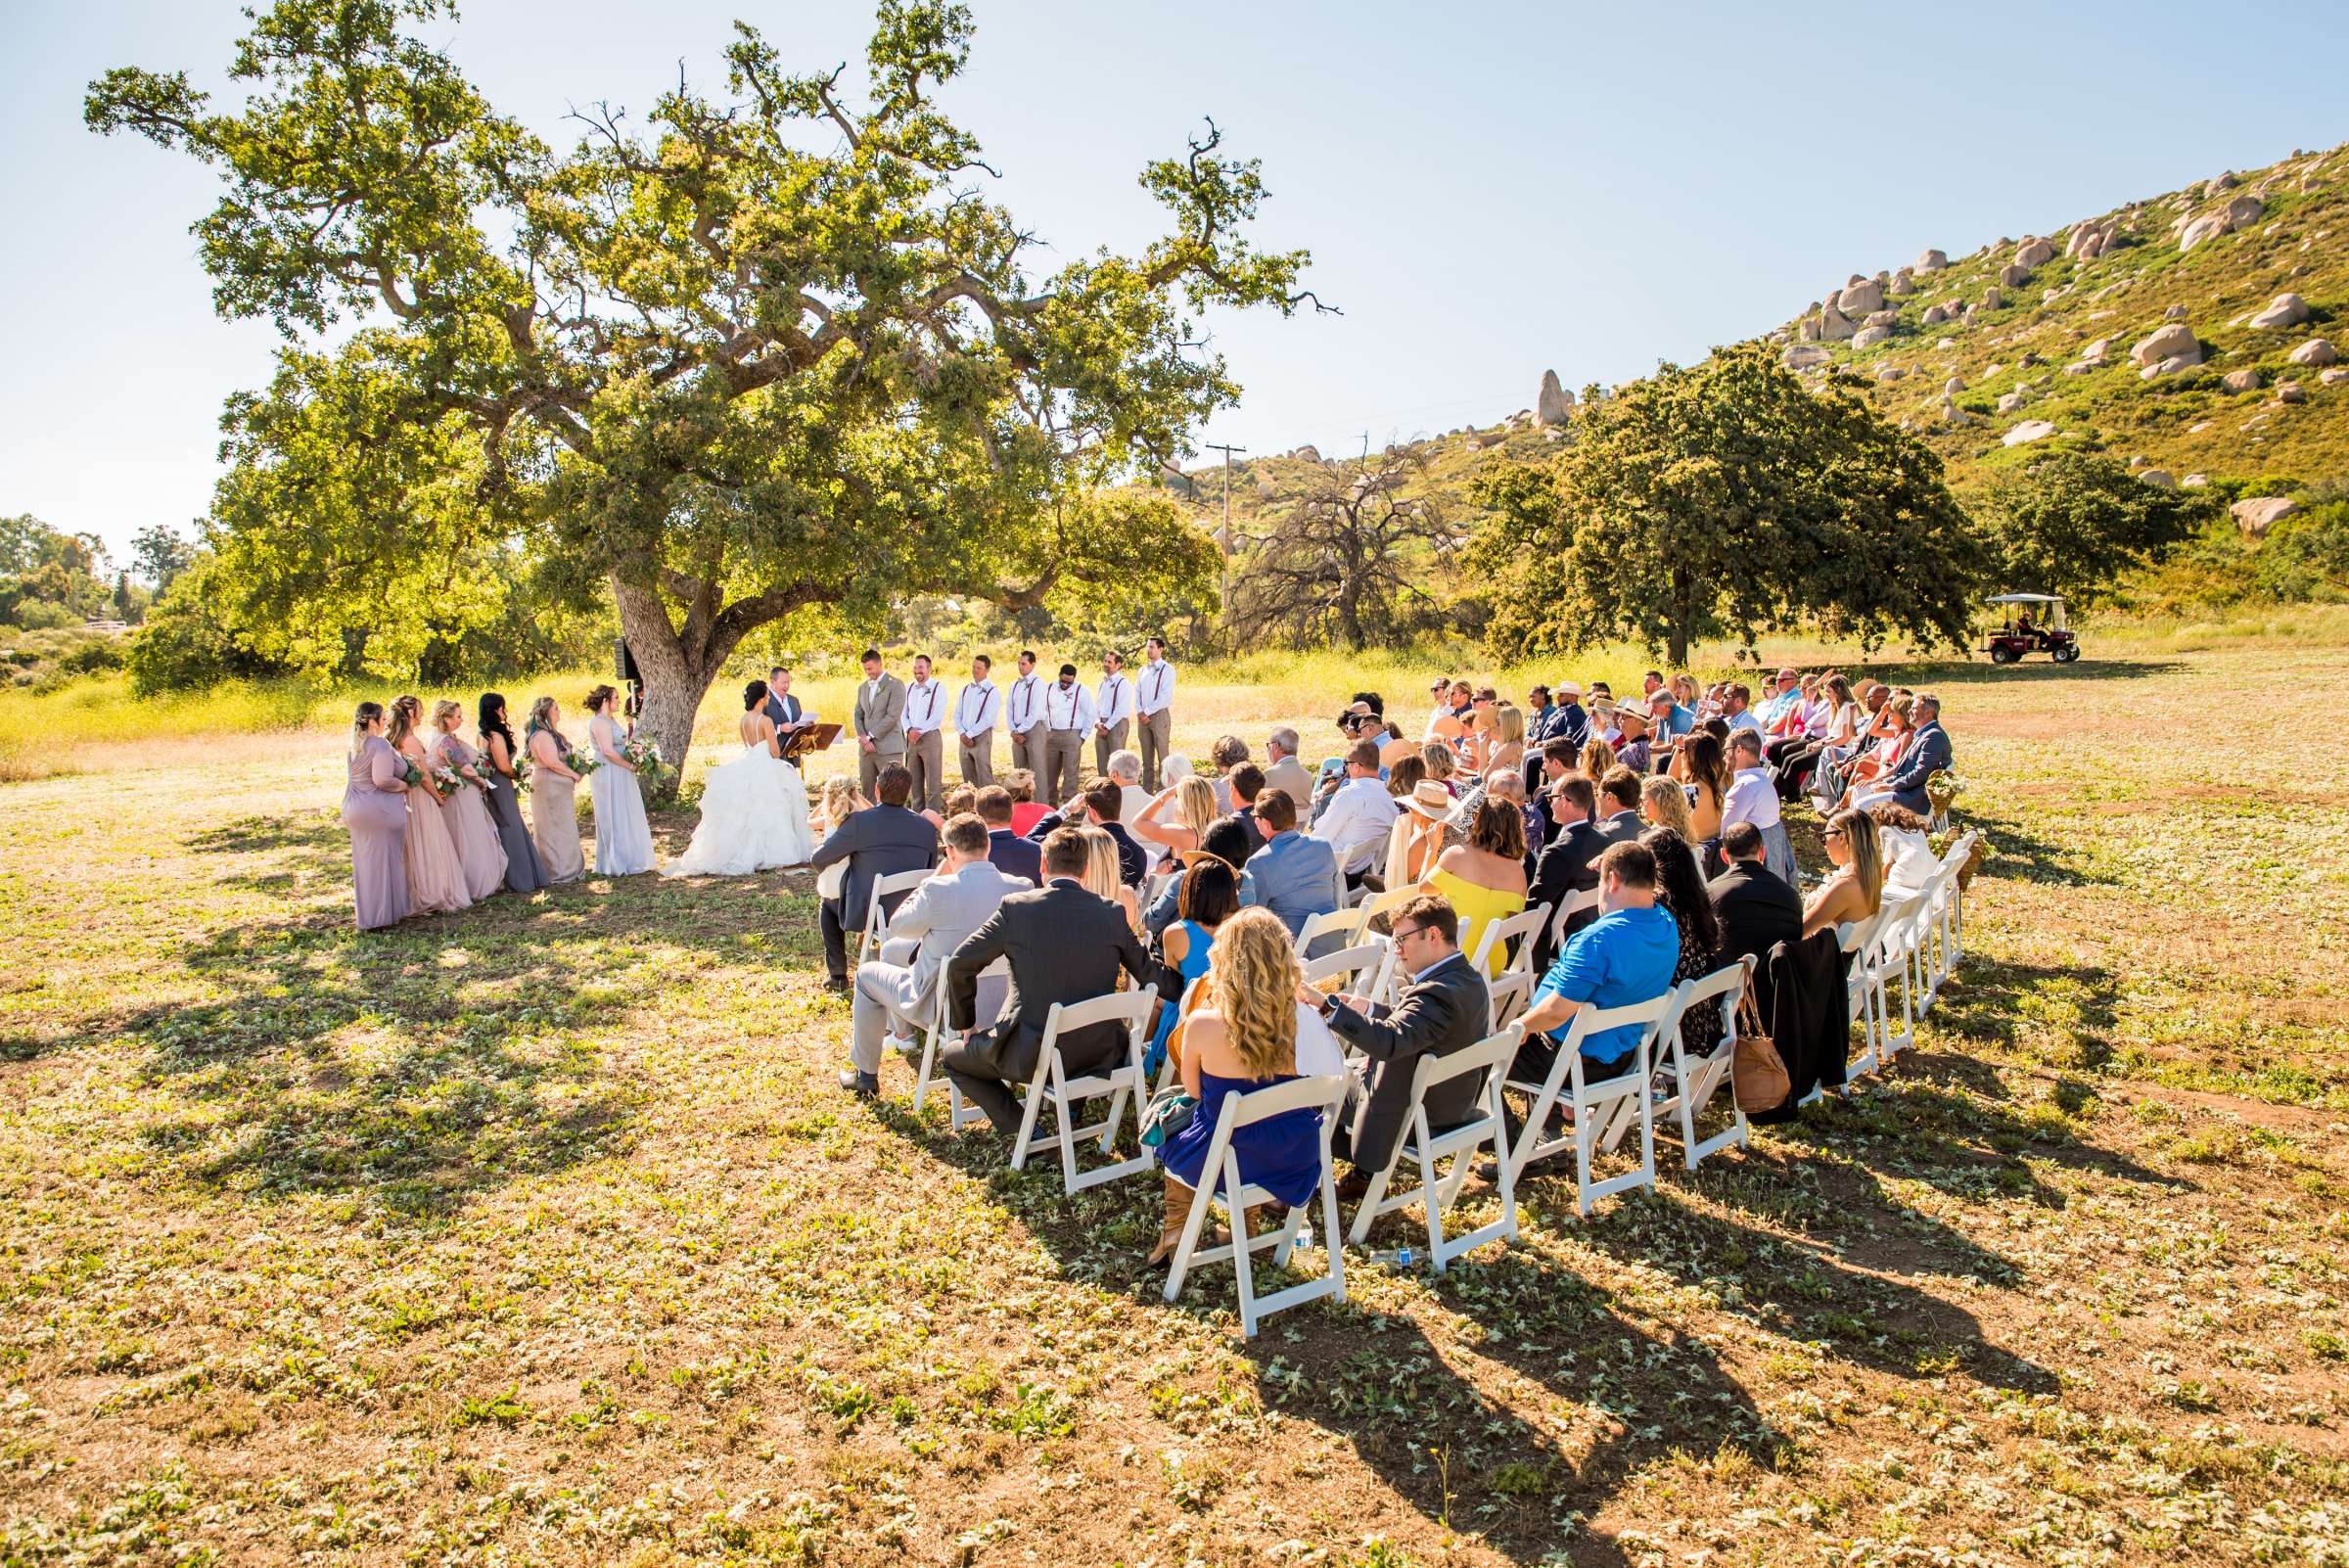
1068,715
925,747
1112,710
1024,715
879,722
1156,709
976,711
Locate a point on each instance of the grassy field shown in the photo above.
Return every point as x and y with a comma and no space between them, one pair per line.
538,1234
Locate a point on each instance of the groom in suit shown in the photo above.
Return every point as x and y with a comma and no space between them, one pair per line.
880,723
1064,946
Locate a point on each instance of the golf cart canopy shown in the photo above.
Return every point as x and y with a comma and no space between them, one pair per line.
2053,619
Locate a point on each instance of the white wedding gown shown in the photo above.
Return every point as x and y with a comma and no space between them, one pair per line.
753,818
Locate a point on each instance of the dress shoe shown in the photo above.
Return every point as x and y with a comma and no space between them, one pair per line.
865,1086
1353,1186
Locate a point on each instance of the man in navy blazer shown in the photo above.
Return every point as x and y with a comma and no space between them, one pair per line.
1007,850
877,841
1927,755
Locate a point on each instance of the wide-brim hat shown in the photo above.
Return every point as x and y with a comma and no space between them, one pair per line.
1429,800
1191,858
1629,714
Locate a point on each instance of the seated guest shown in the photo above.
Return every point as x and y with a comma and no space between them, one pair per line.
1569,864
1699,764
1437,759
1247,786
1737,706
880,840
1926,752
1229,752
1296,876
1104,800
1484,879
1905,848
1598,757
1126,767
1104,877
894,991
1626,955
1754,798
1680,894
1407,775
1227,842
1250,1032
960,800
1756,910
1637,751
1209,896
1282,770
1854,889
1064,945
1418,834
1664,802
1026,809
1007,850
1359,811
1833,723
1177,816
1552,763
1443,1007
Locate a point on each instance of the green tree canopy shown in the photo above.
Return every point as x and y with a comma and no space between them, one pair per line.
775,350
1730,496
2071,523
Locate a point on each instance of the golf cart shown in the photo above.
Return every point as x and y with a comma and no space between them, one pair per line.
2033,623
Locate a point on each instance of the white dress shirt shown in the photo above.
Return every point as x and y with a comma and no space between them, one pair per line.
1753,798
978,708
1026,707
923,700
1361,810
1114,702
1157,688
1069,707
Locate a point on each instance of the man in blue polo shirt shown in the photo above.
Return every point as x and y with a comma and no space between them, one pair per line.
1626,955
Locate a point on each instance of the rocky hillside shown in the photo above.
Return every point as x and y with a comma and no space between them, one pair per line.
2203,334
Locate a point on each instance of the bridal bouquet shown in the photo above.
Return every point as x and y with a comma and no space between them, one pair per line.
447,779
581,762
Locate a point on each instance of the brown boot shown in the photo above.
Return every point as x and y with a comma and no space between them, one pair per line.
1170,1228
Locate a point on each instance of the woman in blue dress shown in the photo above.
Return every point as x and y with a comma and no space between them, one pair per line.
1209,896
1249,1033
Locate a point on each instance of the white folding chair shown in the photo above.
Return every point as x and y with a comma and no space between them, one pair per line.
1590,1108
1052,1086
1892,955
1182,1010
1510,994
993,981
1856,937
1695,1077
1347,923
1573,904
876,916
1521,928
1425,1147
1219,1181
1349,965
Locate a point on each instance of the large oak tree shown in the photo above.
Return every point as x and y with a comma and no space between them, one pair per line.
774,350
1730,496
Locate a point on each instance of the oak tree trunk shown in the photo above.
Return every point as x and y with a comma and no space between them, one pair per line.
676,675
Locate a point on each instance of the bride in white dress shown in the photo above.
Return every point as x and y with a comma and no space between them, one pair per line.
753,807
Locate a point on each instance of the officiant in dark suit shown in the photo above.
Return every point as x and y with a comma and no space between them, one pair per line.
1064,945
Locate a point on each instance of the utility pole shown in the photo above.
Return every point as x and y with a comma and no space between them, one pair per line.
1224,539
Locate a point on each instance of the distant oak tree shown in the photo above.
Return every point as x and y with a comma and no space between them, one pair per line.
2072,523
1344,559
771,351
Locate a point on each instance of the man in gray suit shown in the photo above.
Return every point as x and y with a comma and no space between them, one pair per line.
880,722
895,992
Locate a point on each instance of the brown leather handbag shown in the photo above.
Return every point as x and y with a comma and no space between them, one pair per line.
1759,1077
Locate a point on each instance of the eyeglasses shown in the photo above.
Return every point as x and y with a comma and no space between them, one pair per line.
1833,833
1408,931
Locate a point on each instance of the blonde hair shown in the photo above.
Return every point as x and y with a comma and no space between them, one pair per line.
839,799
405,711
1598,757
960,800
1667,805
1866,852
1103,874
542,717
1020,784
1510,722
1195,800
1252,978
1438,757
444,710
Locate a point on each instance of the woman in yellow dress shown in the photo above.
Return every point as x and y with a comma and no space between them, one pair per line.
1485,878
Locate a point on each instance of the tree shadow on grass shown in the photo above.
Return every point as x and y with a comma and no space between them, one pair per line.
1999,999
1919,674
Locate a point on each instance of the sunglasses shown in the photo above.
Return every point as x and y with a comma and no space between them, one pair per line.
1833,833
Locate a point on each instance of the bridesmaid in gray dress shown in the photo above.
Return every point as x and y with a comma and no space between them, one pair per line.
624,839
378,820
554,804
501,765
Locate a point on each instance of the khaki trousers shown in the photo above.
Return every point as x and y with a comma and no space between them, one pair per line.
926,757
1110,740
1064,755
977,755
1158,732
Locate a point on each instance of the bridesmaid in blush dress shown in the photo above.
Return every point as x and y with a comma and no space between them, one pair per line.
483,858
501,765
435,876
554,803
378,820
624,839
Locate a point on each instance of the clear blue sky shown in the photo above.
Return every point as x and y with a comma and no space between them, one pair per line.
1489,191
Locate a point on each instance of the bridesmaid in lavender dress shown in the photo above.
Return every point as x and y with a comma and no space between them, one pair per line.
483,858
435,877
554,801
624,839
378,820
501,766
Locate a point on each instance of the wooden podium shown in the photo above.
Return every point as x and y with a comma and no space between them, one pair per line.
814,738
